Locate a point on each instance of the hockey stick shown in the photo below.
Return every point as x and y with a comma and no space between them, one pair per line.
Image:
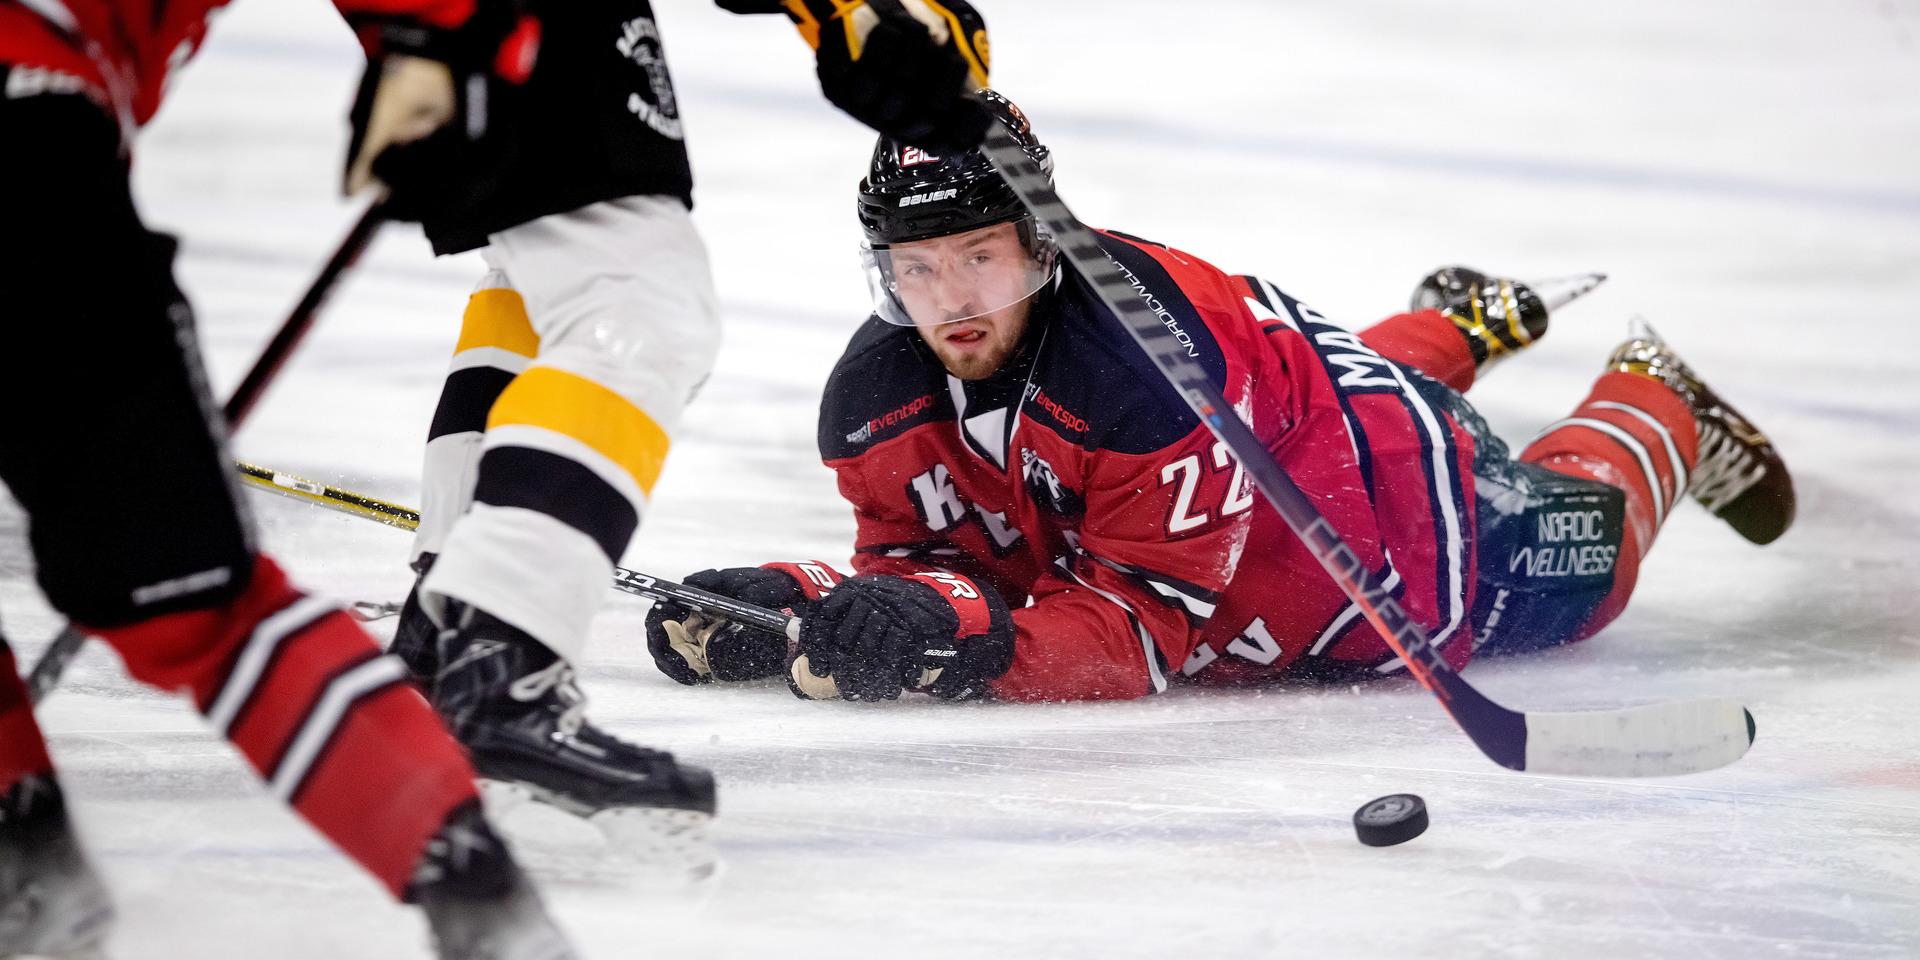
407,518
300,322
1654,740
47,670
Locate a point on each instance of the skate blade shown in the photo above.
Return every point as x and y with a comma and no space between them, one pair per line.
676,839
669,842
88,917
1557,292
96,952
501,799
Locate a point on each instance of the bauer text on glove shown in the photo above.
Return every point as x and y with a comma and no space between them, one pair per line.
877,636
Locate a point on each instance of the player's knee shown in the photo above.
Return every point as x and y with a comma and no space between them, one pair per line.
1550,560
655,358
192,643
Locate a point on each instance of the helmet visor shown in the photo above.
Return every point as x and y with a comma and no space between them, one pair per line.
961,276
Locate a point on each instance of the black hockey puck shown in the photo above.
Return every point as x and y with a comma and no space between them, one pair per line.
1390,820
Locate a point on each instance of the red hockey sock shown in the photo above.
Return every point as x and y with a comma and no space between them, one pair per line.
1634,433
23,752
330,724
1426,341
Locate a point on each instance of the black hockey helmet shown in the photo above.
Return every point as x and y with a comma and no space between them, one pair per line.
911,195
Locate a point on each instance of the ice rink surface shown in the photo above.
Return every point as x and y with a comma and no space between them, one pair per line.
1747,170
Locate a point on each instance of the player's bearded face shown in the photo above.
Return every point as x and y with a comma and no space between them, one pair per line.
969,295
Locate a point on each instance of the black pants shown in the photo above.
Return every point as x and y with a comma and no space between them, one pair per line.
108,436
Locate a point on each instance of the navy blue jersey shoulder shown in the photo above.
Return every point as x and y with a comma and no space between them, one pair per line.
885,383
1107,386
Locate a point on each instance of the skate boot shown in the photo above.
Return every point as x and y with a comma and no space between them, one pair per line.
52,904
1738,476
1497,317
514,705
479,904
416,636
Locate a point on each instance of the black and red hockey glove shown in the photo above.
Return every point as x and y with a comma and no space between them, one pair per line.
693,647
906,68
874,637
432,118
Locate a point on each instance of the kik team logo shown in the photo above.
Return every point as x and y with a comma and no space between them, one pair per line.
640,43
942,508
1045,486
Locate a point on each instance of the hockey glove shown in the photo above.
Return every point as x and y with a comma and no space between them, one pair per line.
875,636
693,647
901,67
426,122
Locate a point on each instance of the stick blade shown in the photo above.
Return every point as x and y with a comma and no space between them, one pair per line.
1657,740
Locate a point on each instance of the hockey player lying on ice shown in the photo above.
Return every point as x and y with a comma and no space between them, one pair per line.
1040,517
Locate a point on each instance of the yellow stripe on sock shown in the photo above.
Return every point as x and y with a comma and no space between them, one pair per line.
579,408
498,318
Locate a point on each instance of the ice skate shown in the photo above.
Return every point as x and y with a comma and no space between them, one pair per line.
1738,477
1498,317
416,639
52,904
479,905
515,706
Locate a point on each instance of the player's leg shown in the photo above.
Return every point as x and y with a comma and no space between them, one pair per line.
166,572
1740,477
619,297
1563,538
1460,322
495,345
1650,431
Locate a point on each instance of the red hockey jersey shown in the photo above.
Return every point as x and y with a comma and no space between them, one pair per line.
1127,540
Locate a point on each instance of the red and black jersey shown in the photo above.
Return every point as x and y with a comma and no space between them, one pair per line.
1125,538
121,52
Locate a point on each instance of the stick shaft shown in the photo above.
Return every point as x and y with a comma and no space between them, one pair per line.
300,321
360,505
